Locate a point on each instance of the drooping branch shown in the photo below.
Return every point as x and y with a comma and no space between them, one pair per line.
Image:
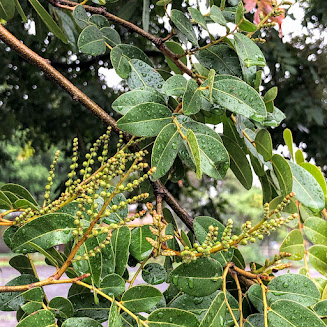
77,95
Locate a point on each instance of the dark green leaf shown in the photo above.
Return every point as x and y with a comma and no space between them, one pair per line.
140,248
112,284
48,21
239,163
7,9
199,278
288,139
248,51
110,36
42,318
174,86
141,298
315,230
283,173
20,11
194,151
215,316
177,49
316,173
114,316
61,307
318,259
320,308
91,41
81,322
307,189
80,16
263,144
293,244
171,317
217,16
145,119
184,26
192,98
254,320
22,264
271,94
254,294
197,17
154,273
241,21
20,192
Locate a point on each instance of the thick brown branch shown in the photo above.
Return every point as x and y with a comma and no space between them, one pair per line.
78,95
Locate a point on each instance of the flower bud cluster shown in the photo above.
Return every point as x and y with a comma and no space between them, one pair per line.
50,178
73,166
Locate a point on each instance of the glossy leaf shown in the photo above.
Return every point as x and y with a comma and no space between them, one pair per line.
110,36
80,16
299,157
241,21
130,99
140,248
197,17
293,244
283,173
288,139
263,144
254,294
199,278
248,51
215,316
112,284
22,264
239,97
285,313
320,308
239,163
315,230
141,298
145,119
317,174
19,191
7,9
171,317
194,150
221,58
294,287
307,189
45,231
114,316
318,259
120,242
154,273
91,41
19,9
42,318
119,215
81,322
254,320
120,56
184,26
177,49
61,307
165,149
217,16
192,98
174,86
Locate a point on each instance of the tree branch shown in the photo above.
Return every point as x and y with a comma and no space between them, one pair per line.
89,104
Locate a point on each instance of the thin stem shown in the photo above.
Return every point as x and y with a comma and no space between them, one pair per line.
265,305
139,270
240,296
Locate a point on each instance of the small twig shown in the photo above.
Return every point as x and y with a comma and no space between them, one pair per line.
240,296
139,270
265,305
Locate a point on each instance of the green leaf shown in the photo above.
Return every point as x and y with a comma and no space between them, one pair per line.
184,26
177,49
141,298
61,306
263,144
315,230
248,51
271,94
239,97
146,15
91,41
221,58
120,242
154,274
254,294
145,119
293,244
215,316
318,259
42,318
288,139
112,284
81,322
110,36
174,86
192,98
20,11
45,231
239,163
120,56
99,20
294,287
48,21
143,74
217,16
193,146
125,102
211,79
198,17
241,21
140,248
119,215
285,313
199,278
114,316
7,9
80,16
20,192
22,264
283,173
254,320
165,149
171,317
317,174
320,308
307,189
299,157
